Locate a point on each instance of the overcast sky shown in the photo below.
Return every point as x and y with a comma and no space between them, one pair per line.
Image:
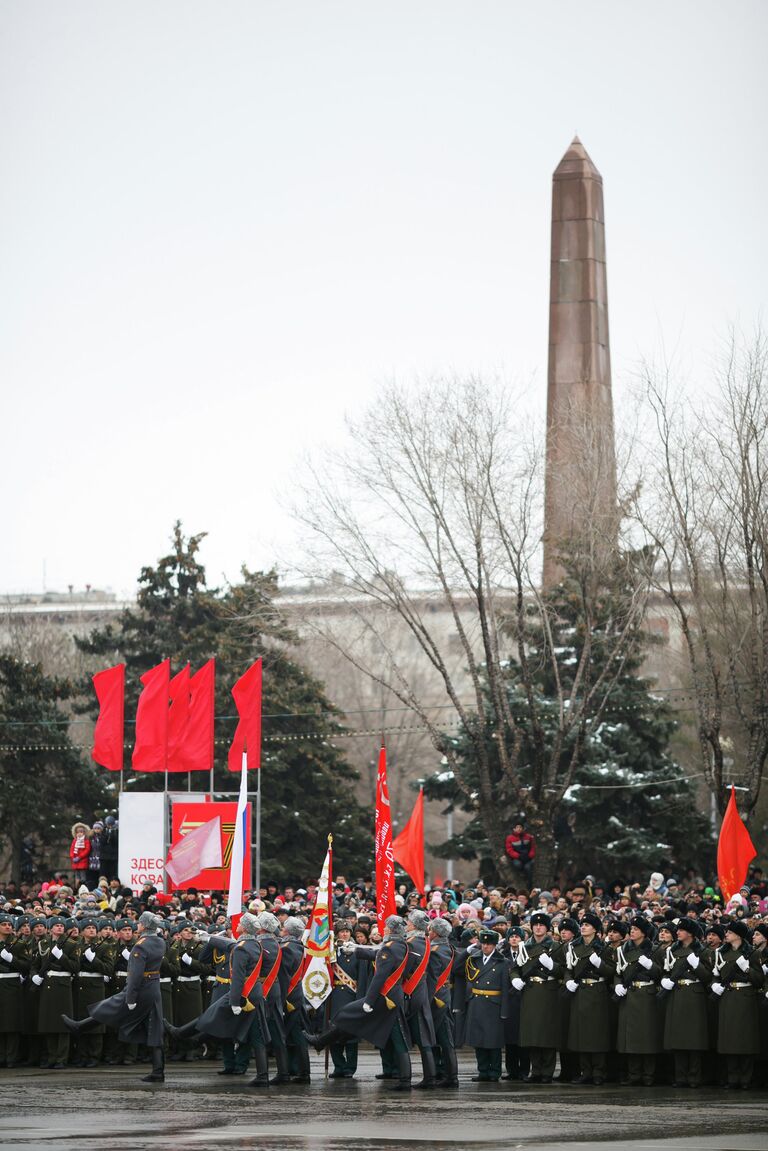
222,223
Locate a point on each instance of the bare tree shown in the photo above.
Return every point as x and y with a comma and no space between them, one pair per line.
706,516
432,516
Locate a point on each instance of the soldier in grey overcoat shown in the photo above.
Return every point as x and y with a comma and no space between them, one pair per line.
488,989
136,1012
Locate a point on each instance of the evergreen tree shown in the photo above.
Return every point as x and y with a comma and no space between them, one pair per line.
45,781
307,785
627,809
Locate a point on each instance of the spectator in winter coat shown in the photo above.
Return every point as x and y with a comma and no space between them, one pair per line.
521,848
80,848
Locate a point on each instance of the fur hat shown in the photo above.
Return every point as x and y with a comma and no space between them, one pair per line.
593,920
692,926
394,927
440,927
268,922
86,829
644,925
419,921
738,927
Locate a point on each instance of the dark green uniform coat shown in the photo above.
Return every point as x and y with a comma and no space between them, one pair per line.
540,1005
56,990
590,1015
738,1018
92,978
11,990
686,1026
639,1017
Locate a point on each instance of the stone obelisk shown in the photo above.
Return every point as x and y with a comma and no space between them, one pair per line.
580,487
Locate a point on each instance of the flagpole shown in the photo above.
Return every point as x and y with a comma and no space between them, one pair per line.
258,830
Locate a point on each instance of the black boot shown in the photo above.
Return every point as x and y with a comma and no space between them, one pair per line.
261,1060
324,1038
403,1081
428,1074
281,1059
157,1074
180,1033
76,1026
451,1076
302,1059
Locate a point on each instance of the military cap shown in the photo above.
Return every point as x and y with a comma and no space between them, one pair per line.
517,930
761,929
121,923
5,918
24,921
571,925
38,921
419,920
644,925
468,935
692,926
488,936
104,922
394,926
738,927
715,929
619,926
342,925
440,927
55,921
69,923
542,918
593,920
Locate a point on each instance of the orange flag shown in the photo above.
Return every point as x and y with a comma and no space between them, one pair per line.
408,848
735,851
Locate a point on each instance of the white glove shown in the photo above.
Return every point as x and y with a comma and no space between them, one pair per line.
106,979
518,984
131,1006
236,1010
596,961
37,980
89,954
367,1008
57,952
572,985
645,962
186,959
667,984
126,953
743,963
718,988
693,961
349,948
6,955
546,961
765,969
204,936
620,990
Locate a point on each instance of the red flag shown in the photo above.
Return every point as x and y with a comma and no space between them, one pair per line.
108,735
408,848
150,752
385,862
178,720
735,851
198,746
247,696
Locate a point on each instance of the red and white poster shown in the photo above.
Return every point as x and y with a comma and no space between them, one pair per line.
189,817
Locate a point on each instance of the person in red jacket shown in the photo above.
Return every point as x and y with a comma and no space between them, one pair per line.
81,847
521,848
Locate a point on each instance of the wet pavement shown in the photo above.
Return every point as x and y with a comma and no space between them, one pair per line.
196,1110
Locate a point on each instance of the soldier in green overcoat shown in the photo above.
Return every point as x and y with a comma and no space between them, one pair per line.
14,964
53,970
36,945
589,1033
115,1050
636,982
187,991
685,985
714,1064
737,977
565,957
90,987
535,976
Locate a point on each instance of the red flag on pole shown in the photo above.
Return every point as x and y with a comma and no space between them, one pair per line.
735,851
198,746
178,720
150,752
109,733
247,696
385,863
408,848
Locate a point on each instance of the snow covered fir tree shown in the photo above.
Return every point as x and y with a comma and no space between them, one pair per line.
629,808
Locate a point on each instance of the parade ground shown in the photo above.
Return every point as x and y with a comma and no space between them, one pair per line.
198,1110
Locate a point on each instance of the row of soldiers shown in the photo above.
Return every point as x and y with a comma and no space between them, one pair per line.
57,966
649,997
